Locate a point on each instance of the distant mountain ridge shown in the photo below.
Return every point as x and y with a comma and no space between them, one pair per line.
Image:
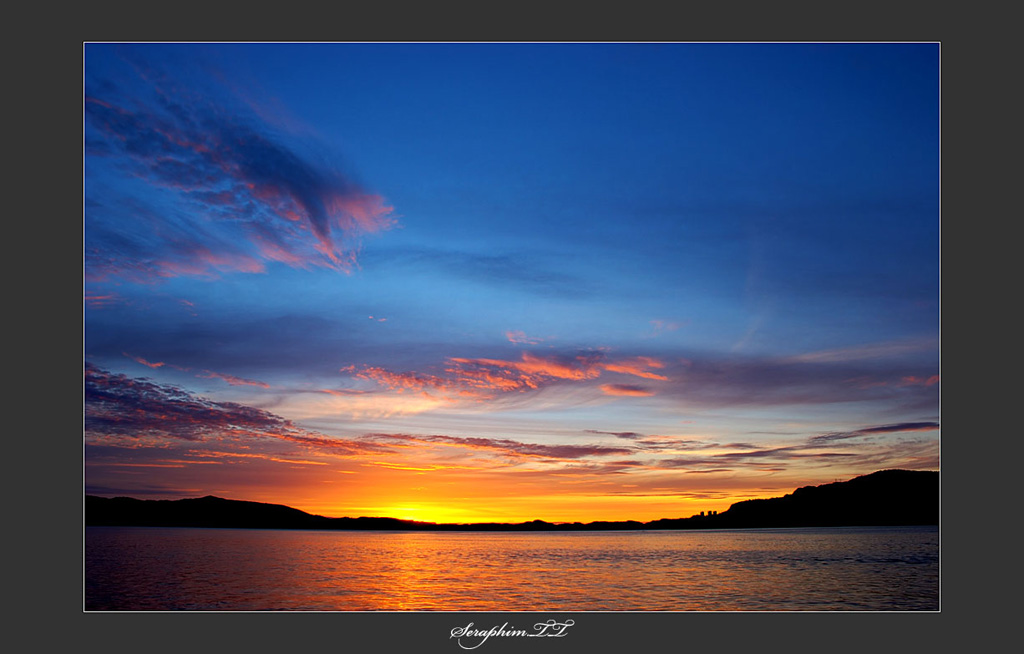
884,498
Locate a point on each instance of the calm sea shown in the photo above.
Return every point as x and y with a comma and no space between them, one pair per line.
831,569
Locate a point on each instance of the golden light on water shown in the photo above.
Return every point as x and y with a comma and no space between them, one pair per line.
439,571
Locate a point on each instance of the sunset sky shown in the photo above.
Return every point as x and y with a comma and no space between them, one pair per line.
503,282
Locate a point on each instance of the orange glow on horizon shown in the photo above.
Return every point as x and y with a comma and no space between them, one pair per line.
467,480
460,476
549,508
429,487
459,494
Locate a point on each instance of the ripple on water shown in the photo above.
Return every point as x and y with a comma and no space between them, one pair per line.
776,570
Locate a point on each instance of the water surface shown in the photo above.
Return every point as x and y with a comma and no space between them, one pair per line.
826,569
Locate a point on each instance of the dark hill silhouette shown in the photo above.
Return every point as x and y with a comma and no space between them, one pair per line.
206,511
887,497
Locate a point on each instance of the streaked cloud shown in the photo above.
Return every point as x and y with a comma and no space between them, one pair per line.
733,380
240,195
102,300
631,435
638,367
536,274
231,379
424,384
520,338
628,390
881,429
507,447
477,379
663,326
531,369
138,408
150,364
866,352
823,449
901,427
203,374
920,381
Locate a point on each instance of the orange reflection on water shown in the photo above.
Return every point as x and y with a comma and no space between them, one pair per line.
783,569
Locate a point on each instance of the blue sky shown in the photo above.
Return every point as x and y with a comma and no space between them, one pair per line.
713,265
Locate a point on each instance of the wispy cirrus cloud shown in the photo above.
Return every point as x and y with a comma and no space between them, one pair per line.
707,379
226,192
637,367
631,435
232,380
656,443
423,384
866,352
868,431
485,378
531,370
698,379
137,408
529,272
823,449
502,446
520,338
734,380
911,380
102,300
202,374
116,404
662,326
148,364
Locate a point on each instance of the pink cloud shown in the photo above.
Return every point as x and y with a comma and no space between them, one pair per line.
231,379
248,196
201,261
363,212
427,385
205,374
158,364
920,381
536,367
100,301
637,367
121,407
272,251
484,378
520,338
626,390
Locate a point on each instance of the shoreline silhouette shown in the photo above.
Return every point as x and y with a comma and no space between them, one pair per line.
883,498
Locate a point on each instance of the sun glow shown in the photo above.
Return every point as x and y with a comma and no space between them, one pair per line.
428,512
